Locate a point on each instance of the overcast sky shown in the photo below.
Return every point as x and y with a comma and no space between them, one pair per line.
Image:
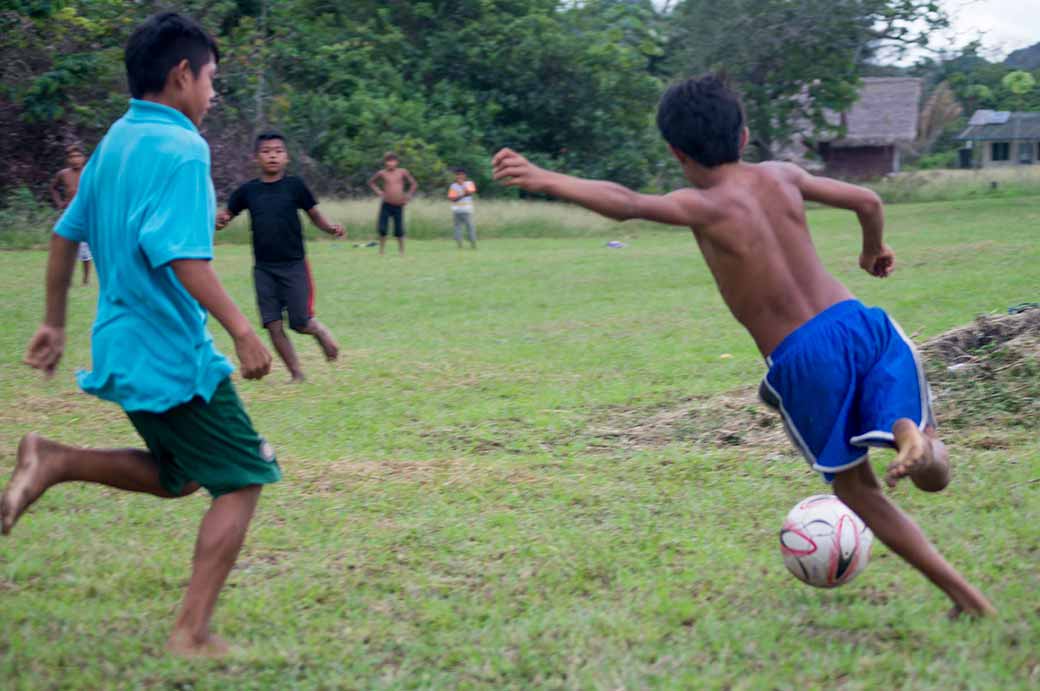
1008,24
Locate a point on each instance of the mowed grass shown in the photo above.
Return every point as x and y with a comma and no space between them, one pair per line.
450,519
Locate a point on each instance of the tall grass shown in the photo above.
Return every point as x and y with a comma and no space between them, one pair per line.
952,185
429,219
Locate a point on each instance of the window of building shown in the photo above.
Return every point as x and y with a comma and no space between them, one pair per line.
1025,153
1001,151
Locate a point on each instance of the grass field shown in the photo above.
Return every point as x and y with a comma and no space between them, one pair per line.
459,513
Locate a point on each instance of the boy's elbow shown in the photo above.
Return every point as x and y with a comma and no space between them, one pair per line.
871,204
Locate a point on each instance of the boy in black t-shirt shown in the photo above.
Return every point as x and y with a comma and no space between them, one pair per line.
280,272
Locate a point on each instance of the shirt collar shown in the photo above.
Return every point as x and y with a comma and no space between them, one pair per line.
151,111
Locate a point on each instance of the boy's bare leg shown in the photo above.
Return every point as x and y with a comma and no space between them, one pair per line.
921,456
382,244
400,246
43,463
86,273
285,349
860,490
324,337
221,535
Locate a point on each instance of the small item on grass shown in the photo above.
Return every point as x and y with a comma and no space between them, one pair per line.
616,244
726,356
1023,307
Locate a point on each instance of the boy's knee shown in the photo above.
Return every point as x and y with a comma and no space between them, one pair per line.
301,326
274,327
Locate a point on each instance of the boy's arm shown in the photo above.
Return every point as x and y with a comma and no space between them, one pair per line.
319,220
373,185
48,344
200,280
56,195
877,258
224,217
680,208
236,204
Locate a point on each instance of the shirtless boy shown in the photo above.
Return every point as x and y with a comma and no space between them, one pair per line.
398,189
64,187
843,376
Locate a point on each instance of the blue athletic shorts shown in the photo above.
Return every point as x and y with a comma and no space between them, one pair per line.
841,381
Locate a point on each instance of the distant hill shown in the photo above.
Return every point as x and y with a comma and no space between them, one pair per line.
1025,58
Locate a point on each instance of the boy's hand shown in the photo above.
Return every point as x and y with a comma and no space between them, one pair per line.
253,356
45,349
880,263
338,230
223,218
513,170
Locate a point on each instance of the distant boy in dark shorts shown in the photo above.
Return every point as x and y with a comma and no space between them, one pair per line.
63,189
147,206
843,376
461,196
281,274
398,189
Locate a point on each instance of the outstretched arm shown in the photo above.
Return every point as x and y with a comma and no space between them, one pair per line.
373,185
323,223
48,344
200,280
680,208
877,258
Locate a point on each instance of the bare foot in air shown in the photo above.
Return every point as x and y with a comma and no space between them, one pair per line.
327,342
922,458
28,481
186,645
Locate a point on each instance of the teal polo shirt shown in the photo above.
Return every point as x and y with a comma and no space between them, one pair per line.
145,199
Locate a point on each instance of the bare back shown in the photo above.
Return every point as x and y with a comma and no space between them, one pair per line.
758,247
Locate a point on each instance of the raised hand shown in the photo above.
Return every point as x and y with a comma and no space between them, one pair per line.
513,170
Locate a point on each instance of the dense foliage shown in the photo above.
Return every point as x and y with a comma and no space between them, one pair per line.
447,82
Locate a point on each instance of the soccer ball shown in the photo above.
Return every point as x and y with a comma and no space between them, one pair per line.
824,543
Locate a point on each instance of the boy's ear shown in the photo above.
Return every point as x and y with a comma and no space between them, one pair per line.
180,75
745,136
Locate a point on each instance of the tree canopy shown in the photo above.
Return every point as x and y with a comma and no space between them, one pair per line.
445,83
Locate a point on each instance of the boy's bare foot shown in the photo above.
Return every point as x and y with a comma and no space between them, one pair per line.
182,644
28,481
297,378
327,342
922,457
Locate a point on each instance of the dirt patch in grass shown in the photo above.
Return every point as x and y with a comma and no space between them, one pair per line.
737,418
985,377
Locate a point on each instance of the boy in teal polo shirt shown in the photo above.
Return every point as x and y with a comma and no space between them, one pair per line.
147,207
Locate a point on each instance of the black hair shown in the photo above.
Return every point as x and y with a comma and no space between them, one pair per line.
391,156
267,137
75,148
159,44
702,118
460,171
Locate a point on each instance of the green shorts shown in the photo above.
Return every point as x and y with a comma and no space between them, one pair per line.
213,444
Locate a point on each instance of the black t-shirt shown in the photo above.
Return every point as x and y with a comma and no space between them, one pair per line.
277,234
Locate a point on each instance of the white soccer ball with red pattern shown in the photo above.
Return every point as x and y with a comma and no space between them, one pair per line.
824,543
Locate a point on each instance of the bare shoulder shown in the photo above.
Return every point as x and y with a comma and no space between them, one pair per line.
782,171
